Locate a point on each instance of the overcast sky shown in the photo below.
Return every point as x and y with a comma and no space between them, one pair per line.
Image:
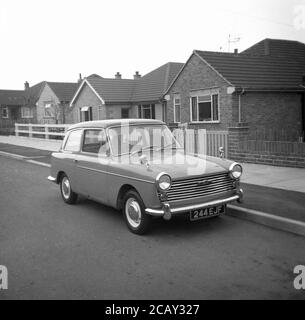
55,40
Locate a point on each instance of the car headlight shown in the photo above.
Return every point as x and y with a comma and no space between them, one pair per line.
235,170
163,181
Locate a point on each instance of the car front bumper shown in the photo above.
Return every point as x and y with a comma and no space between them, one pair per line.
167,212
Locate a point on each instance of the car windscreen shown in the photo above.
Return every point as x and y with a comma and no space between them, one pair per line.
133,138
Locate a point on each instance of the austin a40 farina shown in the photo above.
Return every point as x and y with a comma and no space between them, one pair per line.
138,167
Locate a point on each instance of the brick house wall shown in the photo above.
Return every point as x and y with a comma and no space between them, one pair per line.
197,75
264,110
261,110
47,95
86,98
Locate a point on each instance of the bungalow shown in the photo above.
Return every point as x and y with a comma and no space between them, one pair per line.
264,87
17,106
141,97
53,101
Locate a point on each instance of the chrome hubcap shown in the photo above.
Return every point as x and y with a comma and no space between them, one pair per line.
133,212
65,187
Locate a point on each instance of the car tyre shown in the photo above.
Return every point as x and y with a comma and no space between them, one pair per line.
137,220
68,195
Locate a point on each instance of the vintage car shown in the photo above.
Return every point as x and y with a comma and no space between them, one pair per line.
137,166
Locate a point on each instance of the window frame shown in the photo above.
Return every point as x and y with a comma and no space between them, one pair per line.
7,113
83,140
30,112
152,108
90,113
197,108
175,105
50,108
125,110
67,139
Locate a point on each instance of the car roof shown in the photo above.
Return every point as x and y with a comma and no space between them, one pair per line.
113,122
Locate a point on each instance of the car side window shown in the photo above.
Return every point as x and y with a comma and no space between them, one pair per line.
95,141
73,141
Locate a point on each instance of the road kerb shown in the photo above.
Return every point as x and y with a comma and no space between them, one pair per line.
267,219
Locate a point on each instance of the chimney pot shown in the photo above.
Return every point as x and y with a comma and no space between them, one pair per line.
235,51
26,86
118,75
137,75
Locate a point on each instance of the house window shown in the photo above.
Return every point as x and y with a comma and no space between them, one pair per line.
48,107
146,111
205,108
85,114
177,108
4,112
124,113
26,112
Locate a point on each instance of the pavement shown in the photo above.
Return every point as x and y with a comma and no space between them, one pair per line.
57,251
274,196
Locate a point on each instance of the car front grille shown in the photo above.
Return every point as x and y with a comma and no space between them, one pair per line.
193,188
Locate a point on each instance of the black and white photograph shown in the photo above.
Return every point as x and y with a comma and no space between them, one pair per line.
152,153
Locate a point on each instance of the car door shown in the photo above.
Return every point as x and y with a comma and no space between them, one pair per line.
71,149
92,165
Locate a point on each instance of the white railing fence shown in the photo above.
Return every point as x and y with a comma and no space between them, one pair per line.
46,131
201,141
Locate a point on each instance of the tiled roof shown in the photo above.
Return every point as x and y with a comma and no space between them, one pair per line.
253,71
113,90
278,48
150,87
63,90
153,85
32,94
11,97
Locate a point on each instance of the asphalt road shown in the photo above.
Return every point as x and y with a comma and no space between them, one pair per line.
56,251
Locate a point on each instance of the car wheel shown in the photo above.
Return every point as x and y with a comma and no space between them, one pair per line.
66,191
136,219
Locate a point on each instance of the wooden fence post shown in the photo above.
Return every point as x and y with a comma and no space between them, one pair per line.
30,130
46,133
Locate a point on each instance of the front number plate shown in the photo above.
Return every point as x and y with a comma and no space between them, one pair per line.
207,212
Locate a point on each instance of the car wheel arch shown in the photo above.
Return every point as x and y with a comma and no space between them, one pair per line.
123,190
59,176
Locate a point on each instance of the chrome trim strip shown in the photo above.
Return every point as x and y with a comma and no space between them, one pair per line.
115,174
160,213
52,179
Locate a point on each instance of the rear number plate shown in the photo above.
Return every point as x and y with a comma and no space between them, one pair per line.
207,212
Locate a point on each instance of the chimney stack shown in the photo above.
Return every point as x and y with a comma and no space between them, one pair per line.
80,79
137,75
118,75
26,86
235,51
